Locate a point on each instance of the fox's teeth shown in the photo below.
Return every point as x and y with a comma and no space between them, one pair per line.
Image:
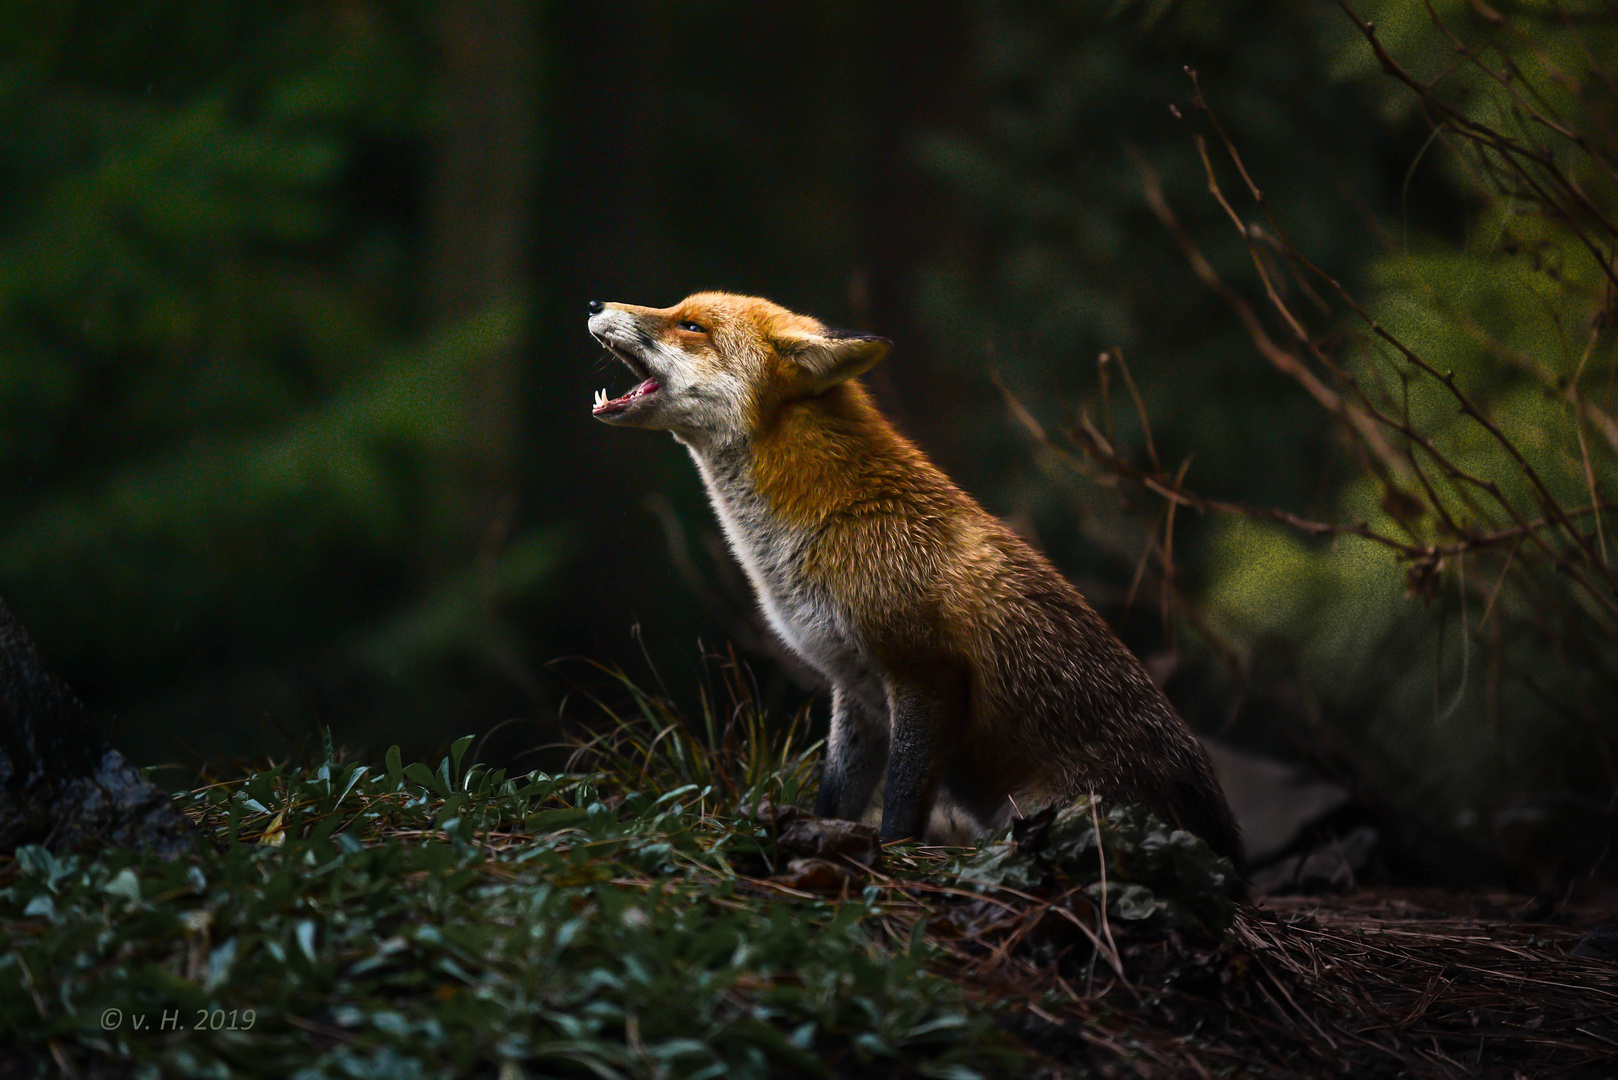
601,398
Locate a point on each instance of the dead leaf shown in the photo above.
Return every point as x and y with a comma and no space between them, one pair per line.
818,875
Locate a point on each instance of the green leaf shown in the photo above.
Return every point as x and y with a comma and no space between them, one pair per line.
457,750
427,778
125,883
551,821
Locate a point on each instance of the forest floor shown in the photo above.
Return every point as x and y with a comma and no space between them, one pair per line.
1382,982
674,912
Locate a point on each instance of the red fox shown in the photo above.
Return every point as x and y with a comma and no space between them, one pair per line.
961,662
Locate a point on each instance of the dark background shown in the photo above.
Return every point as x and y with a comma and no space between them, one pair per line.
294,374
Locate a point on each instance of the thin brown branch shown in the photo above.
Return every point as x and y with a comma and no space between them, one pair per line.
1282,360
1510,149
1549,503
1169,488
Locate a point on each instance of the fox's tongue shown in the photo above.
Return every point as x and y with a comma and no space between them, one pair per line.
619,404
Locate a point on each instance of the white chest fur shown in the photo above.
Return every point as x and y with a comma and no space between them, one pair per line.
772,553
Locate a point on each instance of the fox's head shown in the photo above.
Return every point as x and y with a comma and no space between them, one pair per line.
714,366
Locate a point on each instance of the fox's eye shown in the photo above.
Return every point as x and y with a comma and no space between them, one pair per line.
691,327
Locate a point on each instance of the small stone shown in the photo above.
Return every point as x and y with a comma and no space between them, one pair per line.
1599,943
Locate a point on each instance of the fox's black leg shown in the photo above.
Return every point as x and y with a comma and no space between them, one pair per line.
926,717
856,755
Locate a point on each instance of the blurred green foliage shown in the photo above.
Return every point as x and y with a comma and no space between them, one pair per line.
1066,262
217,401
1490,715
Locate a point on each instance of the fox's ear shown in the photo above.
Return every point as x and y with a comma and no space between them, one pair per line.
830,357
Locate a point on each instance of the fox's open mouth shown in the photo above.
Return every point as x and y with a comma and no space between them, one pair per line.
605,406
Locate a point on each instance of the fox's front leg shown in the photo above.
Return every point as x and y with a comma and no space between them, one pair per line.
926,717
856,755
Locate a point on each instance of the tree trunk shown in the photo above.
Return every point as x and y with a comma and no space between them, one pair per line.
61,785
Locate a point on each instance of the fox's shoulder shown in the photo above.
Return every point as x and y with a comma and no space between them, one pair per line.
836,455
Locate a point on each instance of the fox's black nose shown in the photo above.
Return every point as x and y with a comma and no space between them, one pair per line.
596,306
